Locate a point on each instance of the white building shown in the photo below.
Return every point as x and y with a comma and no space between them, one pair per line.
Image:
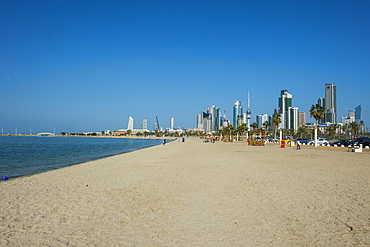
130,124
293,118
172,123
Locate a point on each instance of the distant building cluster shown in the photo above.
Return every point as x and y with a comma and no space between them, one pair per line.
212,120
143,128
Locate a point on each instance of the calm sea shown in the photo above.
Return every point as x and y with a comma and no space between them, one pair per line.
25,155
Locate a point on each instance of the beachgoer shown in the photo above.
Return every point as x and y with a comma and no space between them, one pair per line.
298,145
164,141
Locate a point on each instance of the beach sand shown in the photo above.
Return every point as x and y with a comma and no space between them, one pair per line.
194,194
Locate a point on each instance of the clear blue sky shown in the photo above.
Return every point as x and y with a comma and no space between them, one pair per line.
83,65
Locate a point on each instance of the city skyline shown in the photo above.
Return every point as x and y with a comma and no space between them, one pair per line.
291,117
108,61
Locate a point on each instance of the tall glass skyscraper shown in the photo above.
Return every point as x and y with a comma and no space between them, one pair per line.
358,114
293,118
260,119
285,101
331,103
215,118
237,113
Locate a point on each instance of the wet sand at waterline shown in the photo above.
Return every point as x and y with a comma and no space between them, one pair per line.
194,194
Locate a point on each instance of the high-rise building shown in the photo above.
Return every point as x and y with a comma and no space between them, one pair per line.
237,113
293,118
301,118
172,123
207,121
216,121
358,114
330,103
285,101
321,102
130,124
199,122
260,119
145,123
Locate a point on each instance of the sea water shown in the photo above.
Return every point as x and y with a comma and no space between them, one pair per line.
25,155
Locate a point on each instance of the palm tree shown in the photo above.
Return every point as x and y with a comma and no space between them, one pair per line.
241,129
352,128
302,130
317,112
254,125
332,130
276,120
267,126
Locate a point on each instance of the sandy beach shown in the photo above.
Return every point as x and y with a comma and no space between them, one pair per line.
195,194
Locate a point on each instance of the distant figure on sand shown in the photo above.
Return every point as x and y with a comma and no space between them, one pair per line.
183,139
298,145
164,141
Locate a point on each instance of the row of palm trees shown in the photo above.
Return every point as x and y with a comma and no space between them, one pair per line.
317,112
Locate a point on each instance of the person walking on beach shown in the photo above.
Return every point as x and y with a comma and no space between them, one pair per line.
298,145
164,141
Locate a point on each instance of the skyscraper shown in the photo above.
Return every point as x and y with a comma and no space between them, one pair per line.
215,112
301,118
145,123
130,124
285,101
293,118
207,121
237,113
358,114
199,122
260,119
321,102
330,103
172,123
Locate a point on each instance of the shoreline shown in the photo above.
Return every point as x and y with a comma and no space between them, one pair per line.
61,165
126,137
194,193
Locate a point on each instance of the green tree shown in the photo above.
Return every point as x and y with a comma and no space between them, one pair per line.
276,120
254,125
317,112
241,129
332,131
228,129
266,125
302,131
352,127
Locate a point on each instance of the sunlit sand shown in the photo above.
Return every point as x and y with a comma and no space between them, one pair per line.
194,194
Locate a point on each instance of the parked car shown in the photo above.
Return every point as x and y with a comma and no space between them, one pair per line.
340,143
270,139
320,141
365,141
302,140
